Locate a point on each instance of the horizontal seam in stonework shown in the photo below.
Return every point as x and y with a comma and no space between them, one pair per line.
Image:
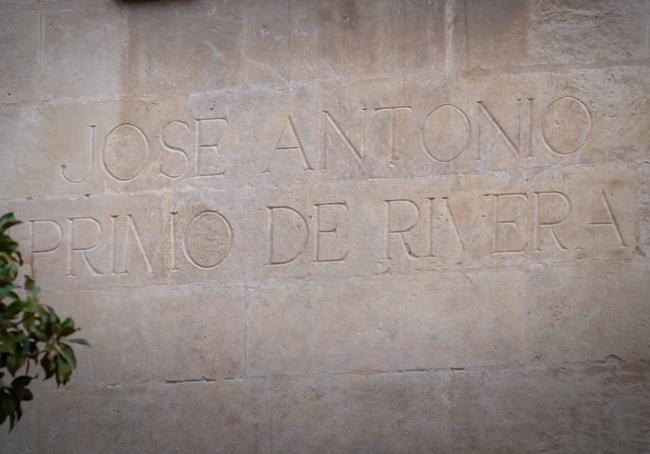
232,284
556,70
611,361
526,171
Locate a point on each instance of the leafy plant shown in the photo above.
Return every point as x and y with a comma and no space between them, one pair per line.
29,332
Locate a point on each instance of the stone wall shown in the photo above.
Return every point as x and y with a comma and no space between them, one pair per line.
330,226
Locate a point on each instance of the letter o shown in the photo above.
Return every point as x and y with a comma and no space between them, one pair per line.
567,132
199,246
116,166
455,152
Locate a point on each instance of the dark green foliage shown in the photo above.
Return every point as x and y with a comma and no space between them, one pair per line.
30,333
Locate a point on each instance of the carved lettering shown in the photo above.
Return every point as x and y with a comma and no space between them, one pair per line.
445,134
172,241
82,250
511,221
113,218
126,141
391,140
356,152
48,247
520,146
452,218
541,221
295,144
91,160
283,250
132,230
203,148
610,220
562,130
391,229
330,230
208,240
174,150
446,150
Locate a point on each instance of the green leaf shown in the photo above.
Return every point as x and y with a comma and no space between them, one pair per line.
7,404
27,394
48,367
68,355
22,381
33,289
40,334
29,331
13,309
8,273
67,327
79,341
63,370
14,363
7,221
7,292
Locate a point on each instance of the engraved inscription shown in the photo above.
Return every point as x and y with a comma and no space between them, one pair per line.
547,219
74,248
124,244
392,116
420,229
208,239
520,147
91,159
606,218
289,141
330,122
327,232
175,149
510,212
445,134
566,125
208,150
290,232
126,152
400,225
46,235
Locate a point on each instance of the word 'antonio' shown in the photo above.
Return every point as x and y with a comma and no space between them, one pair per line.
185,149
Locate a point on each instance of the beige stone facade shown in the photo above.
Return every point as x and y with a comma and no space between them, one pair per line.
328,226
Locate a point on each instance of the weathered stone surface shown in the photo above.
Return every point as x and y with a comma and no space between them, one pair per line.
379,413
437,320
224,418
19,48
335,225
588,311
515,33
598,407
158,333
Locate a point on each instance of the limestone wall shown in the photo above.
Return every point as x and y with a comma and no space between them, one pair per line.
329,226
